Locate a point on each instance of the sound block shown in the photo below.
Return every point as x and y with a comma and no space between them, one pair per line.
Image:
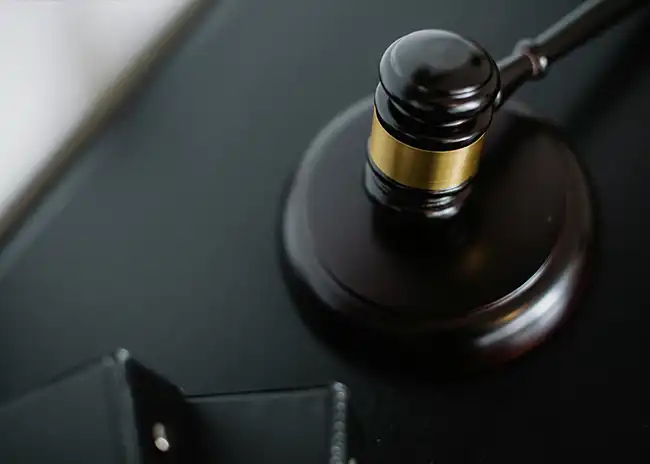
478,288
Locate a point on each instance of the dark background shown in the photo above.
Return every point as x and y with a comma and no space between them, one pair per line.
162,235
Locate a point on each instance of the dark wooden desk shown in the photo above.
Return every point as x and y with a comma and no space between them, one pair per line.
162,236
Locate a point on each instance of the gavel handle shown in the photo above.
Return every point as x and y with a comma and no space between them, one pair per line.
531,58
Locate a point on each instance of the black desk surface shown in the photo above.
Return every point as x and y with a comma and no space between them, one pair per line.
162,237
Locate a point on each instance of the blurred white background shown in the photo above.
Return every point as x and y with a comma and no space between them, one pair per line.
57,59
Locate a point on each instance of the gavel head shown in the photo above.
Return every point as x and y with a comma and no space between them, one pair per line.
433,106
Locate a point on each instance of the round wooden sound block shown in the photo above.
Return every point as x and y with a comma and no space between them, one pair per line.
481,286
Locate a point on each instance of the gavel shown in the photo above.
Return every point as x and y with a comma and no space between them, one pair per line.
438,219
